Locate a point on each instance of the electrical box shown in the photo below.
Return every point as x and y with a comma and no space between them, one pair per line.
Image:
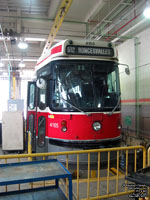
15,105
12,131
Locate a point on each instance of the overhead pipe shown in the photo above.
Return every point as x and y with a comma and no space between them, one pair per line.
137,106
127,23
40,19
139,5
112,16
98,25
129,30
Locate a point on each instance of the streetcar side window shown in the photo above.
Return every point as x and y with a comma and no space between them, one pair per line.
42,98
31,123
31,129
41,131
32,97
111,82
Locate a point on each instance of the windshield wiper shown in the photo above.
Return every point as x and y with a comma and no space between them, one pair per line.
70,103
119,98
73,106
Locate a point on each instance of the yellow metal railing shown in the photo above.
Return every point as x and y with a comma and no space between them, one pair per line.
148,157
29,145
148,164
90,187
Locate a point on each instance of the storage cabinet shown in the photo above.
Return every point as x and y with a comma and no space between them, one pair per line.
12,131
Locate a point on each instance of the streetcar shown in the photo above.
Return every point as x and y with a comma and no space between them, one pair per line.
74,103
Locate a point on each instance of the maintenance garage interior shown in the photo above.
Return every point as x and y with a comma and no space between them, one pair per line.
75,99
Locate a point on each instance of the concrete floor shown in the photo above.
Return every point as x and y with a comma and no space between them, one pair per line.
102,188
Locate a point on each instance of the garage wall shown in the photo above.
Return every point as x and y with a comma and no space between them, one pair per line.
4,86
140,80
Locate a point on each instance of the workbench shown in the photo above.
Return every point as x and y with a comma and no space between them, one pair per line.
28,172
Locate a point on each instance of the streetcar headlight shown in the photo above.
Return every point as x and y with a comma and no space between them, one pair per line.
64,126
97,126
64,129
119,126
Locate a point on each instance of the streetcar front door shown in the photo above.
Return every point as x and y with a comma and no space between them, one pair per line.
42,116
31,113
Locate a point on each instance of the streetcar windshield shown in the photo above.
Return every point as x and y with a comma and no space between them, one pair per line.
87,85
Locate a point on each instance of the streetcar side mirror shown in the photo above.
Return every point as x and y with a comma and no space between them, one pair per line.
127,70
41,83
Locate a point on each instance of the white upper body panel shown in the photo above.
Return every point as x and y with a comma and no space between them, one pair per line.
81,49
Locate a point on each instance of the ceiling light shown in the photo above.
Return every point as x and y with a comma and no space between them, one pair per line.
35,39
28,73
1,64
30,60
147,12
22,45
147,9
7,38
5,73
21,64
18,59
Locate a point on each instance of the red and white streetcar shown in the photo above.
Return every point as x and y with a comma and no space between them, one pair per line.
75,101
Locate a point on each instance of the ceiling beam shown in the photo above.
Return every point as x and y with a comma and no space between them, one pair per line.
12,15
18,21
95,10
53,6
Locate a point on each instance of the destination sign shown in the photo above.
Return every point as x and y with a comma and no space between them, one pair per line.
90,51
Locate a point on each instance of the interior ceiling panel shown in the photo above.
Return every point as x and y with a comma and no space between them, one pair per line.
26,6
110,20
81,10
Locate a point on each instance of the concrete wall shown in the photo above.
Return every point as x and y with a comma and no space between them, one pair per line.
135,88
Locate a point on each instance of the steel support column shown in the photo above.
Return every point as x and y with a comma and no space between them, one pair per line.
137,106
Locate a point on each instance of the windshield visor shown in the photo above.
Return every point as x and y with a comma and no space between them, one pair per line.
87,85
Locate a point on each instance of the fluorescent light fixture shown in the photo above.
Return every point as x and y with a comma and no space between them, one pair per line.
1,64
12,59
21,64
7,38
22,45
5,74
19,59
147,12
28,73
35,39
30,60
